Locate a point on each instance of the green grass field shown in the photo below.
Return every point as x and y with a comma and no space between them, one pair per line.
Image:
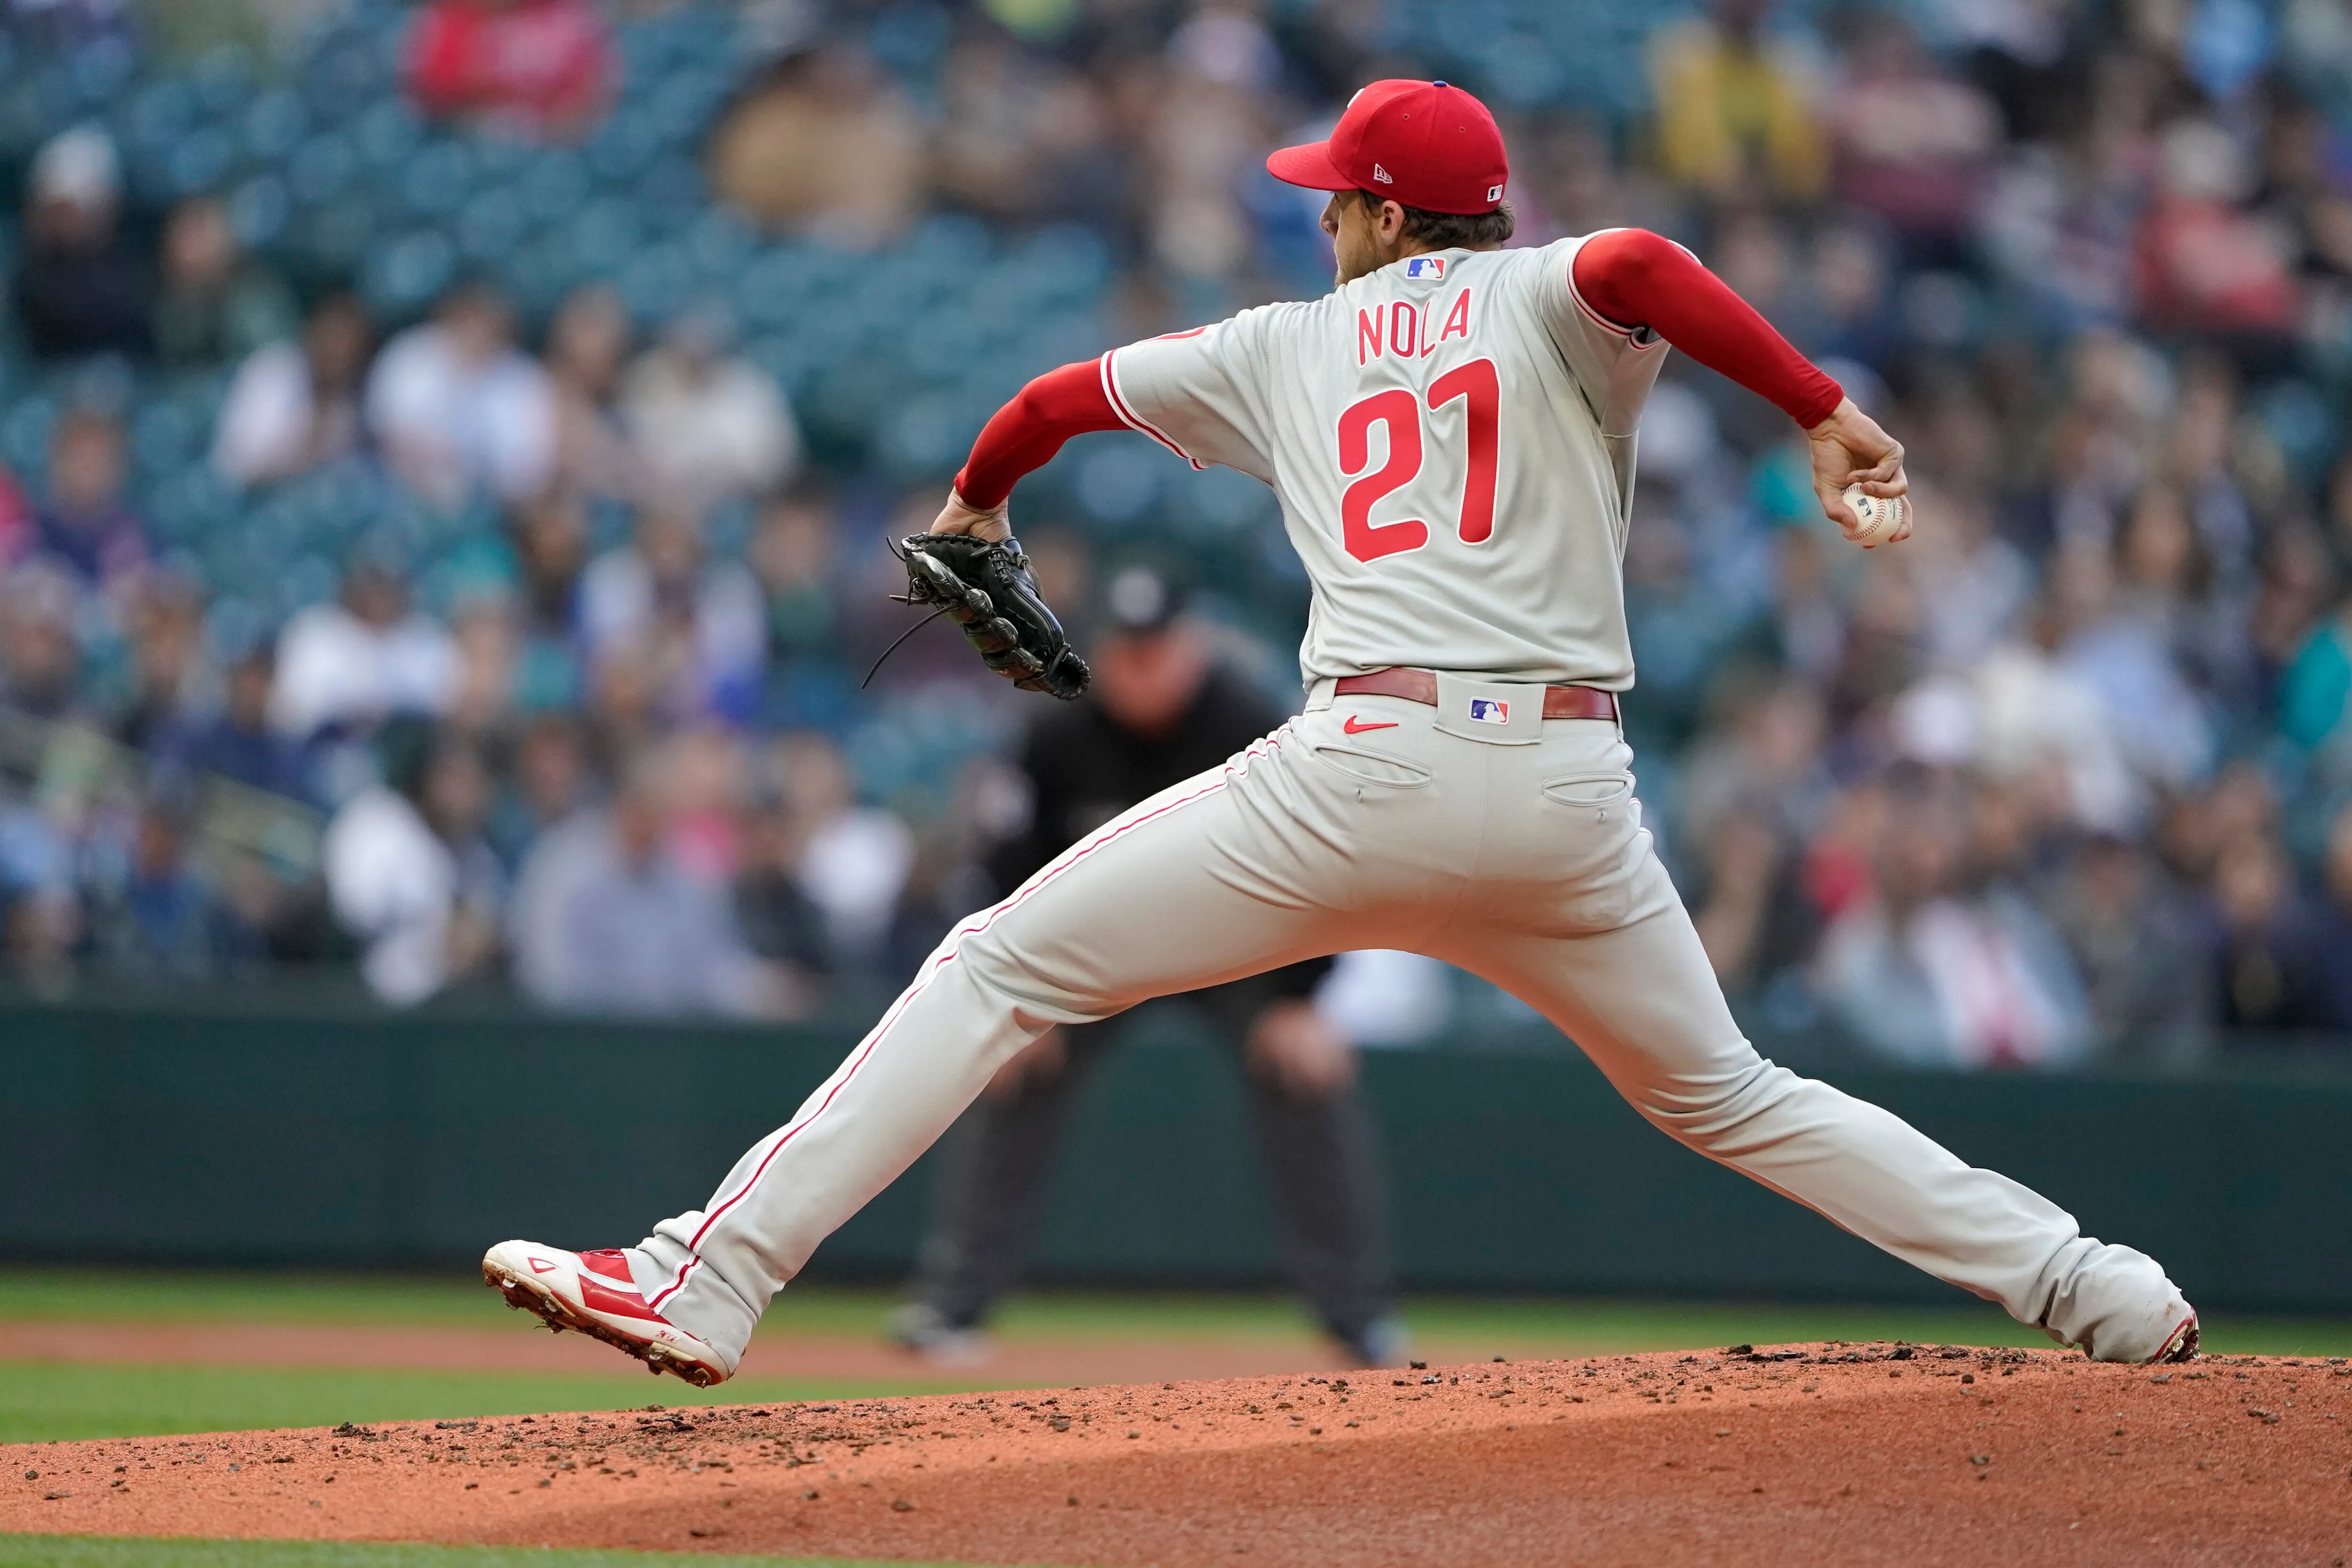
82,1552
51,1400
47,1401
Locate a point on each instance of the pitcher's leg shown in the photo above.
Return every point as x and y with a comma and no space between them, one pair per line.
1642,1002
1192,887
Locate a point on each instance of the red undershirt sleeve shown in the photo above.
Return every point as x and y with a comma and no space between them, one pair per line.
1635,278
1025,433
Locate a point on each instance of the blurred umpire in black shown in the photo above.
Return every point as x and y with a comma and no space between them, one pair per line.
1162,707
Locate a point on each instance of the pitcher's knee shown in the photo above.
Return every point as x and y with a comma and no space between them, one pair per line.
1034,987
1718,1117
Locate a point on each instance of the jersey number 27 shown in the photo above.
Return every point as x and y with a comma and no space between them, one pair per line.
1475,384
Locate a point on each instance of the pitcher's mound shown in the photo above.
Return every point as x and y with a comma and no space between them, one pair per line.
1805,1455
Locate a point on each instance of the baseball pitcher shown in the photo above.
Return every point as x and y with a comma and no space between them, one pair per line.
1451,433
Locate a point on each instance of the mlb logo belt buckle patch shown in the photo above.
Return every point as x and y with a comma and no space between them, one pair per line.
1498,713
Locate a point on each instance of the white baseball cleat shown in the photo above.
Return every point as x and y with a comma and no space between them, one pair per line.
591,1293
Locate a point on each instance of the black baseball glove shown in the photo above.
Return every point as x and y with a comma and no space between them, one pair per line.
984,586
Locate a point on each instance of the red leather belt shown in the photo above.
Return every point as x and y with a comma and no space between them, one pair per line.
1421,686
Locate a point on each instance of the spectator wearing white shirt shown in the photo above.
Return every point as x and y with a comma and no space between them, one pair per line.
457,408
408,872
708,427
853,860
293,407
361,659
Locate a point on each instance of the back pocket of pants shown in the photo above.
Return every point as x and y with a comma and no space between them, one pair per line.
1590,789
1372,768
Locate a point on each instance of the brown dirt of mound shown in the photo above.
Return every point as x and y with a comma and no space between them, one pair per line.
1815,1455
835,1357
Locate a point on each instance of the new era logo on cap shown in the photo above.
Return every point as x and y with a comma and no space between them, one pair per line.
1486,710
1382,175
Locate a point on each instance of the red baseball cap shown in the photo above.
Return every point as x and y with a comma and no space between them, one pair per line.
1424,143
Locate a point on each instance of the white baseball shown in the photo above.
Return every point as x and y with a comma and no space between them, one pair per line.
1881,516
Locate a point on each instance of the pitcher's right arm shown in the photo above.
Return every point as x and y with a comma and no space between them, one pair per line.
1630,279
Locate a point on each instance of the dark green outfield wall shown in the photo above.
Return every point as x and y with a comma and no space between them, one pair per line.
128,1132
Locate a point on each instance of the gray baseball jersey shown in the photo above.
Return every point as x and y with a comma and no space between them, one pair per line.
1452,441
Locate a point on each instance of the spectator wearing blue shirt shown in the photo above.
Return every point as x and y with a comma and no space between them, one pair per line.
238,742
164,917
83,524
606,918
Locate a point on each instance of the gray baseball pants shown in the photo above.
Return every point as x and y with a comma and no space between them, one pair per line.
1514,850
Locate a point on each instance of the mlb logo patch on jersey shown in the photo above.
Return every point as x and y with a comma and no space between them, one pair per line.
1426,268
1486,710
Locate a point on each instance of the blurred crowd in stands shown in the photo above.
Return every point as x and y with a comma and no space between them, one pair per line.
2066,779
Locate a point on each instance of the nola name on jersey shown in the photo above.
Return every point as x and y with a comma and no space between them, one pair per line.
1413,330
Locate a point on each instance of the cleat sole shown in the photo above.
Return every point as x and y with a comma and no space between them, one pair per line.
524,1296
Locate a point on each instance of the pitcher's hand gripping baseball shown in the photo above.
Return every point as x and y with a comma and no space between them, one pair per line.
1850,453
